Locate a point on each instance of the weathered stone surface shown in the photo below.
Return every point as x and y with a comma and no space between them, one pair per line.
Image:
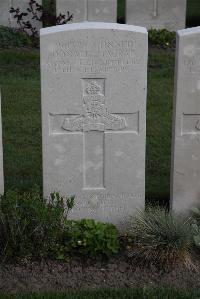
169,14
23,5
89,10
4,12
185,188
94,79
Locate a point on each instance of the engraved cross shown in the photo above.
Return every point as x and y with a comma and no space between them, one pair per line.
93,124
155,8
86,8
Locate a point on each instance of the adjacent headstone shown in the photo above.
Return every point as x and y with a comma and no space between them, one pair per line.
185,176
94,81
89,10
5,12
1,155
169,14
23,5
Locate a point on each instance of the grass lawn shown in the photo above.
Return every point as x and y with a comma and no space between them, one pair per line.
114,294
20,84
159,123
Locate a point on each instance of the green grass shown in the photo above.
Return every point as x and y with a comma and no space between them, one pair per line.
159,123
144,293
20,84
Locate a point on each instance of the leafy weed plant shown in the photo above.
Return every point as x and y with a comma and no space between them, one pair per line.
162,38
30,226
90,237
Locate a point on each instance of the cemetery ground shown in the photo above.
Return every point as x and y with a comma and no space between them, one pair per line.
107,275
114,294
20,83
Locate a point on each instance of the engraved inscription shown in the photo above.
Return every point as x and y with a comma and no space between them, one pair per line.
104,200
92,56
96,116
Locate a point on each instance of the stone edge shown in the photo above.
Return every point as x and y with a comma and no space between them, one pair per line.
92,25
188,31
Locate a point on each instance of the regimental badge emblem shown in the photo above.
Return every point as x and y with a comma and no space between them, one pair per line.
96,116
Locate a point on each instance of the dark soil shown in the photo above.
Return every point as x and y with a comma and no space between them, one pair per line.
115,273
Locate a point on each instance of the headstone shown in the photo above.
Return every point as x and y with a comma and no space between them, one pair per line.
89,10
1,155
23,5
158,14
4,13
94,80
185,176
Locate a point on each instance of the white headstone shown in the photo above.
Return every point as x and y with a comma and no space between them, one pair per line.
94,80
89,10
23,5
5,12
185,176
169,14
1,155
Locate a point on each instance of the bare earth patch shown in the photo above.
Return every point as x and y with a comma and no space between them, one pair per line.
87,274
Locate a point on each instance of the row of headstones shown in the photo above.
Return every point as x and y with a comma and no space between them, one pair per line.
170,14
94,85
